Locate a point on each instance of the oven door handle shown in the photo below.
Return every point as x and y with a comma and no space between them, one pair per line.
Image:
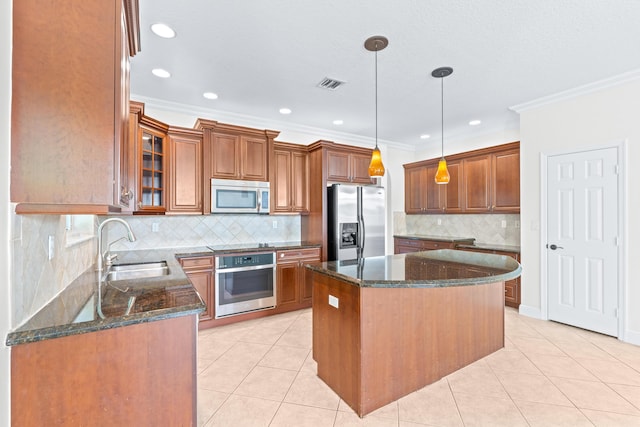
235,270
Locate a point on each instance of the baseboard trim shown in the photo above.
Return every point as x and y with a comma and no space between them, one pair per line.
529,311
631,337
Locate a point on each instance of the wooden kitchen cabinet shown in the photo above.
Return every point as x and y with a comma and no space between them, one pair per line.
293,291
423,195
289,178
70,93
482,181
185,171
235,152
349,167
403,245
239,157
512,287
492,182
477,184
505,181
200,270
151,155
140,374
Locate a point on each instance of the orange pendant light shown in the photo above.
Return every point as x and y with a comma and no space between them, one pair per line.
442,174
376,168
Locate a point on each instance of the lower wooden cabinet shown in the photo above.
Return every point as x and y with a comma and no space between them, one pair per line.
511,287
292,290
141,374
200,271
404,245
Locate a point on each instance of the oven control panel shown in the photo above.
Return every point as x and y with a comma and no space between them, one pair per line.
249,260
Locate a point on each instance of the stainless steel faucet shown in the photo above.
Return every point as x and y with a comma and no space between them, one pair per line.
105,256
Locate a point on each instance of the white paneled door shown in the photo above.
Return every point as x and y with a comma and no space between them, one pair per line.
582,239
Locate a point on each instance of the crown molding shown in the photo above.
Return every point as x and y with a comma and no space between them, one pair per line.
578,91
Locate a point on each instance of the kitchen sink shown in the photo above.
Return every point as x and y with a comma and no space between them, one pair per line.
137,271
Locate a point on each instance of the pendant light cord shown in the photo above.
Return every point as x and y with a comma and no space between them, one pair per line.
376,74
442,115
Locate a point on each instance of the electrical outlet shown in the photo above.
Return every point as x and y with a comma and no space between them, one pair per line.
439,221
504,223
275,223
154,227
333,301
52,247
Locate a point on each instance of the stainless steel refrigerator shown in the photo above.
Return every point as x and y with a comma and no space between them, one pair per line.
356,217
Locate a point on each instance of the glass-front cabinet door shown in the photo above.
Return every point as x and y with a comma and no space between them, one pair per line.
152,171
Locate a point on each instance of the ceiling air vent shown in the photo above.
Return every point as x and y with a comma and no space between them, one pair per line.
328,83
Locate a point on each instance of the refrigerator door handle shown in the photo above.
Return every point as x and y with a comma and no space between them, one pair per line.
361,231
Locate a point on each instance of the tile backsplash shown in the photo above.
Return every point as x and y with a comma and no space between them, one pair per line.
501,229
37,279
155,232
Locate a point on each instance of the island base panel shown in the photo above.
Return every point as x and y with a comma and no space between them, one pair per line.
143,374
383,343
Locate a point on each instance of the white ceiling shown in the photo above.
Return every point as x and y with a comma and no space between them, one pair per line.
262,55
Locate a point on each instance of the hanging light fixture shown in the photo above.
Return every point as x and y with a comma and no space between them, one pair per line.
375,44
442,174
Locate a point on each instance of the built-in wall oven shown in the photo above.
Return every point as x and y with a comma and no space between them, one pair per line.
244,282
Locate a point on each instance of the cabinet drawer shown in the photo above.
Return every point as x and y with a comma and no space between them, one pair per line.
297,254
201,263
431,245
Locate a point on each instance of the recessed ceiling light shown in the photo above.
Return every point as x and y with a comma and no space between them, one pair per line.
163,31
285,111
425,136
338,122
475,122
210,95
159,72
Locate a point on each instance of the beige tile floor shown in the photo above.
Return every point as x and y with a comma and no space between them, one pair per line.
261,373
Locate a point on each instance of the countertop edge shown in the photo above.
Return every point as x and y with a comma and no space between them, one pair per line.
36,335
415,283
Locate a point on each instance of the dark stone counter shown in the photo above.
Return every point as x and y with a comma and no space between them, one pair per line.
448,239
491,247
78,308
428,269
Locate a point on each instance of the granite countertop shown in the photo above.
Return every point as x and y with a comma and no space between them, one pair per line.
491,247
75,309
449,239
438,268
263,247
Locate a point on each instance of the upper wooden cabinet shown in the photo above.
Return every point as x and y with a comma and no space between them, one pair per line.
423,195
151,161
505,181
185,181
347,166
289,178
477,183
482,181
70,93
233,152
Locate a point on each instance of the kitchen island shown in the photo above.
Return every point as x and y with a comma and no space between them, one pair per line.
386,326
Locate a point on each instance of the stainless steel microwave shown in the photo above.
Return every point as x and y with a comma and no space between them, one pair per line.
234,196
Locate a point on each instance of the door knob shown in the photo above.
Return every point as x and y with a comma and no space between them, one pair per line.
554,247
